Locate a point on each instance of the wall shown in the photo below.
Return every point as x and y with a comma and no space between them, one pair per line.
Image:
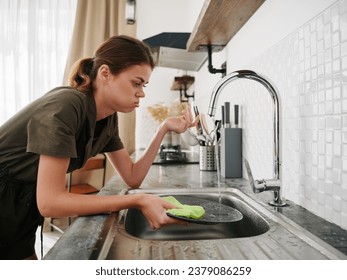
301,47
154,17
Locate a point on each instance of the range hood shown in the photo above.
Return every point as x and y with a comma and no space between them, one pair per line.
169,50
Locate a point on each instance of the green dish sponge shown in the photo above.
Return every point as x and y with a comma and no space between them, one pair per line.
187,211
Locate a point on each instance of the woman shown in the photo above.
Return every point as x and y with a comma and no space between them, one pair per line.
58,132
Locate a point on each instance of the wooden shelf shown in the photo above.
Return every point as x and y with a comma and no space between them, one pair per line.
180,81
219,21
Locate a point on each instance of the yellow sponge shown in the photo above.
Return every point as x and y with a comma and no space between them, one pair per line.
183,210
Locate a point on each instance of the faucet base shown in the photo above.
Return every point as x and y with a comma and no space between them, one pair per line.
278,204
277,199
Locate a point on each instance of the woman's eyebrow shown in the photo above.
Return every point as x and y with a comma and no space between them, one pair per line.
142,80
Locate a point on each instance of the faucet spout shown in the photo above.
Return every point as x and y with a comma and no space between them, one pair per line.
248,74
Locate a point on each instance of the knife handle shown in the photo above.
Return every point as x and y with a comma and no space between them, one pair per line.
236,115
227,114
223,120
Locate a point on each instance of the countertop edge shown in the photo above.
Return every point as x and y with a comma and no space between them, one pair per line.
84,239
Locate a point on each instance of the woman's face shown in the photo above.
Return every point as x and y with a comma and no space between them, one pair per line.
123,91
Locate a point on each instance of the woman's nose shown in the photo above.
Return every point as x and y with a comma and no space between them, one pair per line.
140,93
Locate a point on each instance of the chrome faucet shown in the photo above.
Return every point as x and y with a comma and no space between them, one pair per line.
265,184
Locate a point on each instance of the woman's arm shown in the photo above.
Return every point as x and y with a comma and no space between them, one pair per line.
53,200
134,173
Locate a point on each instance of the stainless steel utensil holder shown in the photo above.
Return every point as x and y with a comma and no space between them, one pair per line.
207,158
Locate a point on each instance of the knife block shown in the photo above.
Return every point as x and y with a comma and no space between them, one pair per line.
231,152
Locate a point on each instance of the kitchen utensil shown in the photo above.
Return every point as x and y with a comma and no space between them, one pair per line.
206,129
236,115
199,127
215,212
217,125
203,123
201,139
189,138
227,114
223,116
200,132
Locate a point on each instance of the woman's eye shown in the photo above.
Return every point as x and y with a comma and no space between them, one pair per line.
137,85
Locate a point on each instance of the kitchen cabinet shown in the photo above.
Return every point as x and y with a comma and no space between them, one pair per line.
219,21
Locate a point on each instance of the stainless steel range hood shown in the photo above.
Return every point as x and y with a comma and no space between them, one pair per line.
169,50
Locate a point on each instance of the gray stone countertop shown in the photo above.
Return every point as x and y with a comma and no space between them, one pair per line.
85,237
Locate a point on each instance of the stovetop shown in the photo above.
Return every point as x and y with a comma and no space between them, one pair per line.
175,155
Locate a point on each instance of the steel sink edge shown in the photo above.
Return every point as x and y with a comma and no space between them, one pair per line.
269,213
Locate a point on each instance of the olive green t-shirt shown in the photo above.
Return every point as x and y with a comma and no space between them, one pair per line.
61,123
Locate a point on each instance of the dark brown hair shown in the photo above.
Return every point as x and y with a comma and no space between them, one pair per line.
118,53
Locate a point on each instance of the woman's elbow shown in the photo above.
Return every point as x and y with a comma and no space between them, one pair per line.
134,184
46,208
44,211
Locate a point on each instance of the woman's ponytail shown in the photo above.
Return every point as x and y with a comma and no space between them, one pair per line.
81,74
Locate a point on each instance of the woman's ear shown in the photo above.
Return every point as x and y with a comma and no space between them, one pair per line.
104,72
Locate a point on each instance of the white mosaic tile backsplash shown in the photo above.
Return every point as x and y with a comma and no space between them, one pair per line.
309,70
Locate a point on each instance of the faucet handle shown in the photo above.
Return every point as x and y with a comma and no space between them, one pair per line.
272,184
257,185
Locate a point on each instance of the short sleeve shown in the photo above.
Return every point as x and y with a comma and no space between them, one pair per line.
52,130
115,143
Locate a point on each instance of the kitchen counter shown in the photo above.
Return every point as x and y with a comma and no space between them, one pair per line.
97,236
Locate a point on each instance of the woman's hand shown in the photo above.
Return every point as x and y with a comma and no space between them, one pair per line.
154,208
181,123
